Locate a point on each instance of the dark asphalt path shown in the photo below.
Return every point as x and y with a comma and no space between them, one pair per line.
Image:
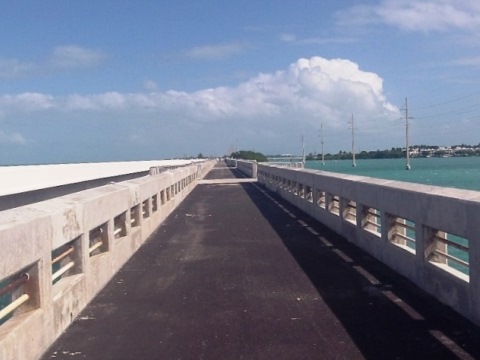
236,273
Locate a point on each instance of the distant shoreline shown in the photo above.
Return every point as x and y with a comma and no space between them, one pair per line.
417,151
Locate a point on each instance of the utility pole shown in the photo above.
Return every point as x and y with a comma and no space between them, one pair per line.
354,164
407,145
321,142
303,151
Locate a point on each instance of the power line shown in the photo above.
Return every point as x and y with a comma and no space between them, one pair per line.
466,110
447,102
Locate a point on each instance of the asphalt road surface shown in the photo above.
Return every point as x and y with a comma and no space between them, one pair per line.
237,273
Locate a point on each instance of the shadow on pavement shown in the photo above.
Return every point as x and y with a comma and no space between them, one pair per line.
386,315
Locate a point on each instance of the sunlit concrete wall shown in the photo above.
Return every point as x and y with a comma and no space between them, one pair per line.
409,227
93,232
247,167
22,185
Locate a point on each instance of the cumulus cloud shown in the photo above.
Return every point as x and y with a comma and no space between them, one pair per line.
267,107
416,15
308,87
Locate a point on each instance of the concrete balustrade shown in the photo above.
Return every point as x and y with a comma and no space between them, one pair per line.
55,255
429,234
22,185
250,168
247,167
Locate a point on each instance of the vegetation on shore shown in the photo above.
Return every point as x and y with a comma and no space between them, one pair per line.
249,155
395,153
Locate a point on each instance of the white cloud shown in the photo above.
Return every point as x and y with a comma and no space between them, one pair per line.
61,58
80,102
293,39
287,37
269,107
27,102
416,15
73,56
358,15
215,52
309,87
110,101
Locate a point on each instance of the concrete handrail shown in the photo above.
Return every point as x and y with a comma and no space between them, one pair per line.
71,246
246,167
23,185
409,227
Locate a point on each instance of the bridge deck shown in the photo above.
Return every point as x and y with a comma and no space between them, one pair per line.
236,273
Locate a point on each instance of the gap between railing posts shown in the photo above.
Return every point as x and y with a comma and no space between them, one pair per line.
12,295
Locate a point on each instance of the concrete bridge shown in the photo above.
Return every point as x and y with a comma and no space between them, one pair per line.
294,265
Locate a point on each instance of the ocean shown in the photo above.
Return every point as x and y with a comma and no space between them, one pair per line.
454,172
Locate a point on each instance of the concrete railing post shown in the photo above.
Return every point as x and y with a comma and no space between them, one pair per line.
434,217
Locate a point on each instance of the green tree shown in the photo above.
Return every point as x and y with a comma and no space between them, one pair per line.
249,155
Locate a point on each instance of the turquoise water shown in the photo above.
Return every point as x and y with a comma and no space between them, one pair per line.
460,173
455,172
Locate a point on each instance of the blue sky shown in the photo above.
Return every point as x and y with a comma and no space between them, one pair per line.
122,80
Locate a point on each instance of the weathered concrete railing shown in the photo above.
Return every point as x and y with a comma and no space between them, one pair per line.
250,168
429,234
246,167
57,254
22,185
290,164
